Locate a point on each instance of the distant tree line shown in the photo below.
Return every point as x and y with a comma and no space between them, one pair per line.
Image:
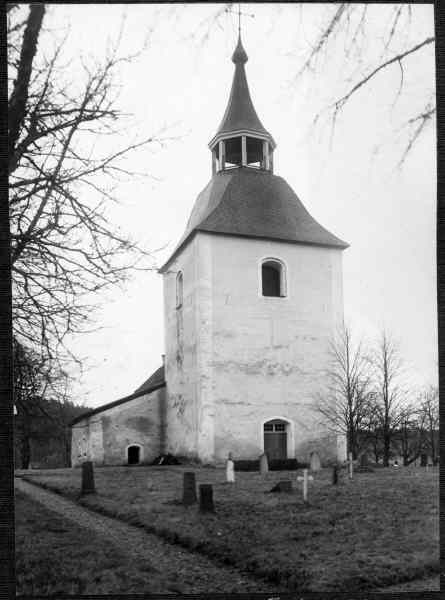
367,399
43,412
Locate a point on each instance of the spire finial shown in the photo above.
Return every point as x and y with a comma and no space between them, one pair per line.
239,55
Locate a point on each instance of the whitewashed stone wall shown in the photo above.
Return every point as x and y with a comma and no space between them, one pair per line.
247,358
104,437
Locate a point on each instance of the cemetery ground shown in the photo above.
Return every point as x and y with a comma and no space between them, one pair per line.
376,531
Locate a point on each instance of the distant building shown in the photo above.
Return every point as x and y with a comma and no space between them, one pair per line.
252,295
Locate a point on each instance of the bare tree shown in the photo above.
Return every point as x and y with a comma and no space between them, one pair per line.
348,26
366,55
409,436
64,249
344,403
429,416
35,380
389,406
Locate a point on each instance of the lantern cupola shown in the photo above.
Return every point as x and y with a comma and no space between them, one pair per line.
241,139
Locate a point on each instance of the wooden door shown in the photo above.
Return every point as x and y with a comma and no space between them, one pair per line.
275,440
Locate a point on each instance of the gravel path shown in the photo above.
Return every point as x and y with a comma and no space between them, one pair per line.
185,571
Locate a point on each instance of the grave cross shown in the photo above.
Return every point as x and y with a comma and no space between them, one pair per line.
305,480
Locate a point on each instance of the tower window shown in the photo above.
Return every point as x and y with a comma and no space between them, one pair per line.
254,148
179,290
273,279
233,152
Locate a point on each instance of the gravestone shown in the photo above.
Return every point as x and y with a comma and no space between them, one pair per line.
206,498
423,459
230,469
282,486
364,460
315,464
264,464
335,475
87,478
189,488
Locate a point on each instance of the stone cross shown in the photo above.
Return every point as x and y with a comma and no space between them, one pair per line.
87,478
305,480
189,488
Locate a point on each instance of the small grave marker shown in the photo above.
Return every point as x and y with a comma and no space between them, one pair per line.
87,478
189,488
206,498
305,480
282,486
351,468
315,462
423,459
364,460
335,475
264,464
230,469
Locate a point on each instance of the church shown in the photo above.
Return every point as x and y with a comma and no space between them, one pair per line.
252,297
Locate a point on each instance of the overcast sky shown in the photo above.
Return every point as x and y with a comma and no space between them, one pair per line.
180,85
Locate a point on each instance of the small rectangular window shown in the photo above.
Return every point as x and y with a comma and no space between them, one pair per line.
280,427
268,427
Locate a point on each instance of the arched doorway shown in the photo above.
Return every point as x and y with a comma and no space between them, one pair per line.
275,439
134,455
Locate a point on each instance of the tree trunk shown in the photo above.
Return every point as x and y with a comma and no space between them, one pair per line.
25,451
433,448
20,92
386,448
352,443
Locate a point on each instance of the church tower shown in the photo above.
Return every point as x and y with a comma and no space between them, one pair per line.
252,295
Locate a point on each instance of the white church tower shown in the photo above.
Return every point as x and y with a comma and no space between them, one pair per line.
252,295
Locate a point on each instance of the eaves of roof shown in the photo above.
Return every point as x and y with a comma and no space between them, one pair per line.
253,203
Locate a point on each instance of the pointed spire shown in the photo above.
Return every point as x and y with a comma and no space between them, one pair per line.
240,114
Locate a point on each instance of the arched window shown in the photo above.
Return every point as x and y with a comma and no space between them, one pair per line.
273,278
179,290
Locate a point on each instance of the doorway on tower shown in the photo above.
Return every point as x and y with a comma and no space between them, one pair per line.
275,439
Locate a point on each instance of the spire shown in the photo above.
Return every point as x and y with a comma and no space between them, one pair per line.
240,114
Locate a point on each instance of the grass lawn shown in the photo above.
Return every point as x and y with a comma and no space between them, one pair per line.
53,557
377,530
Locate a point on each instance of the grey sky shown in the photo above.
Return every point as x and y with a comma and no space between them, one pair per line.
180,84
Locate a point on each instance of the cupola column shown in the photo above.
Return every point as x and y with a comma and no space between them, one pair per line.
214,162
266,155
243,151
222,155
